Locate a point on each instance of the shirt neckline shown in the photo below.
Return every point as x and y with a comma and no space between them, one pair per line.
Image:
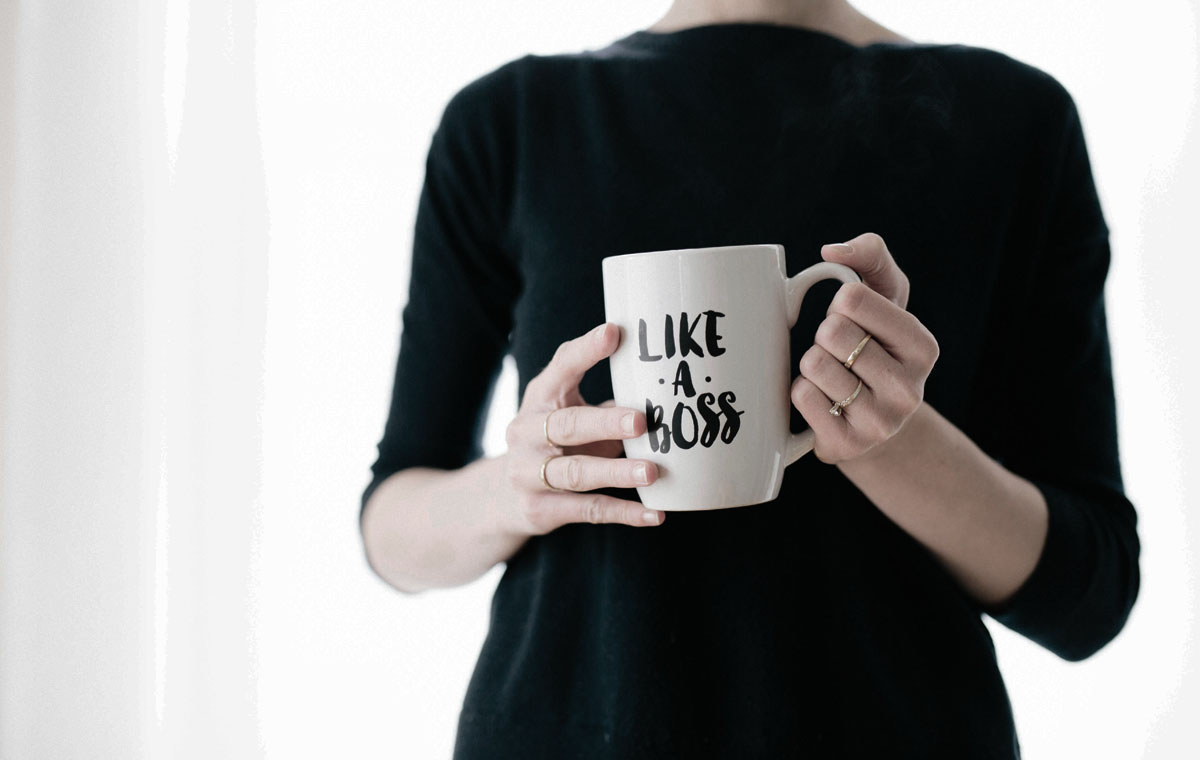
710,38
726,31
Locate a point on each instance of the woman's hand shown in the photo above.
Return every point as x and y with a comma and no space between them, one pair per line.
583,447
892,365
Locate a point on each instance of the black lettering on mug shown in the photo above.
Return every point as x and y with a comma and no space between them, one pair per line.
713,416
655,426
681,440
683,379
643,353
688,345
710,333
712,419
733,418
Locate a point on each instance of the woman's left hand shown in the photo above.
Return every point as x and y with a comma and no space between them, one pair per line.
892,365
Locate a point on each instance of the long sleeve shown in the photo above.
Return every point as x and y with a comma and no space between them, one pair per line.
457,320
1054,417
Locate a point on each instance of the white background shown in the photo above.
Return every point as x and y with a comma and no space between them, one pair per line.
206,216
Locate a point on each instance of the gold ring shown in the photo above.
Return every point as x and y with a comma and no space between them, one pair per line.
838,406
857,350
546,429
545,482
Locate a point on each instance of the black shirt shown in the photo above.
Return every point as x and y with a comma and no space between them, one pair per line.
812,625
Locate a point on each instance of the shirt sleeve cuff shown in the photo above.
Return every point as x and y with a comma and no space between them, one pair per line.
1055,605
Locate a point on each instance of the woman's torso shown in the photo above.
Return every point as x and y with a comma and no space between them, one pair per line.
811,623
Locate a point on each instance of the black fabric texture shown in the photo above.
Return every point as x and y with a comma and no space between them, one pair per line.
811,626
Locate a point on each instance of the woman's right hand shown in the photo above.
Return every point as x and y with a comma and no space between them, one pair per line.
583,442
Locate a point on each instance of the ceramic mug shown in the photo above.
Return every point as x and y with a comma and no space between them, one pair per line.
705,352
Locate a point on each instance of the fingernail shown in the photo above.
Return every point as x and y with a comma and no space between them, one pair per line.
598,333
627,423
639,475
842,249
651,517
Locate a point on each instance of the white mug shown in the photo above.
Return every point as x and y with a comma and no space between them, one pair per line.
705,352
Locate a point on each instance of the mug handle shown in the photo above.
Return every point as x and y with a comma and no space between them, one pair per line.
796,286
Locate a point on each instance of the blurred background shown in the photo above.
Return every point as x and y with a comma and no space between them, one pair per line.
206,213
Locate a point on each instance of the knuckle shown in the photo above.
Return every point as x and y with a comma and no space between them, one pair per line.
849,298
829,329
837,330
511,433
799,393
912,323
561,353
807,395
535,388
562,398
810,361
910,398
933,350
593,510
567,423
574,474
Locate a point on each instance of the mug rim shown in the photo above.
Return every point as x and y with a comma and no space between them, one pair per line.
771,247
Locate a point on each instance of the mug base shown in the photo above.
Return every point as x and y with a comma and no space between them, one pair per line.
707,508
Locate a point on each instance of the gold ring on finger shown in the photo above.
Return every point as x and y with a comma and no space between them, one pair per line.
857,350
546,429
545,482
838,406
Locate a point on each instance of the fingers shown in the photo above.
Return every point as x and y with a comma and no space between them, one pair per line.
606,448
576,425
893,328
830,431
868,255
557,509
545,509
838,335
836,382
892,364
586,473
571,360
591,437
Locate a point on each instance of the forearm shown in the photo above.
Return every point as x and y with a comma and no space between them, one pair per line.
984,523
427,528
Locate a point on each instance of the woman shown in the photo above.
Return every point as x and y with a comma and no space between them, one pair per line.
844,618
